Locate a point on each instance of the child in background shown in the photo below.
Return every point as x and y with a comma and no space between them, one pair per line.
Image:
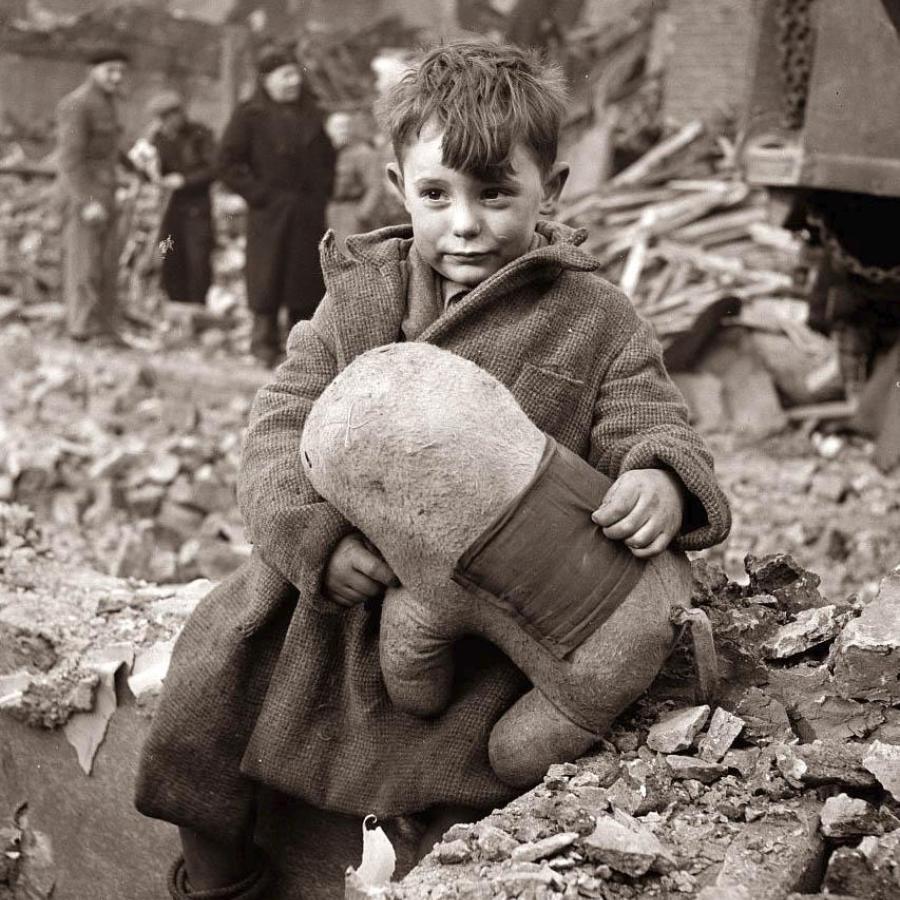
358,179
275,682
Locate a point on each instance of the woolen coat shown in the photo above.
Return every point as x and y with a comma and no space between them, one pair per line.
270,682
278,157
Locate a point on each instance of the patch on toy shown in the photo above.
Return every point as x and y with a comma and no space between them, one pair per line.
545,563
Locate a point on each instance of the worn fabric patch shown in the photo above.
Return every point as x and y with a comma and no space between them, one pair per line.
545,562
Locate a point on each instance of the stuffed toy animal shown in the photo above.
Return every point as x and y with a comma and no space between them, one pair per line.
486,522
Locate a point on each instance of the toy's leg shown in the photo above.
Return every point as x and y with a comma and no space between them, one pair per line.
533,735
416,657
601,679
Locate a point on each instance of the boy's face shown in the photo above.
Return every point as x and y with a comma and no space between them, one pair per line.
466,228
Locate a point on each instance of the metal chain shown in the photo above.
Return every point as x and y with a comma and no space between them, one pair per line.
794,39
875,274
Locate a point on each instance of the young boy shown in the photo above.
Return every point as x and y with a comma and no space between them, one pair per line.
275,681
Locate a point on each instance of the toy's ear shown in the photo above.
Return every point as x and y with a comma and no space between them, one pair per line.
395,177
553,187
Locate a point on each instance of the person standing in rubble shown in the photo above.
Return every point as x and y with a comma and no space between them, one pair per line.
186,155
89,135
276,155
359,176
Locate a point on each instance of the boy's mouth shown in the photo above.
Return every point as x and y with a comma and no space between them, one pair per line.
467,255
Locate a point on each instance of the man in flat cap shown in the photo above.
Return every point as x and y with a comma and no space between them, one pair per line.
88,150
186,153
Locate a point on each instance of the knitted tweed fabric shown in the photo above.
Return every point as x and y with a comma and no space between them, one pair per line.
302,706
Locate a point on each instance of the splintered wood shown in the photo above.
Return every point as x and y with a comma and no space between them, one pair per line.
678,231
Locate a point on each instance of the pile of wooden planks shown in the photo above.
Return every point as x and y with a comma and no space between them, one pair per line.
678,231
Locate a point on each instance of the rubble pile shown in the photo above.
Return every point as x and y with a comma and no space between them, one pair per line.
30,240
134,470
787,787
823,501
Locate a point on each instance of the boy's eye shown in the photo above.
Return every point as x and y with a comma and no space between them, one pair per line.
493,193
433,194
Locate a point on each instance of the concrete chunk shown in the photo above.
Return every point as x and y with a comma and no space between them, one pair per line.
792,861
867,653
495,843
871,870
684,767
824,762
810,628
883,761
850,817
545,848
633,851
724,729
677,730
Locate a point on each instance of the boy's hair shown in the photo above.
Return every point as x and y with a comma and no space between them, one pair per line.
485,98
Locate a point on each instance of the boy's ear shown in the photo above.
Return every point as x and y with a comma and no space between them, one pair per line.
395,177
553,186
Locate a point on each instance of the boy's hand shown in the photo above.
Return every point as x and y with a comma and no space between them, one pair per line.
355,572
643,508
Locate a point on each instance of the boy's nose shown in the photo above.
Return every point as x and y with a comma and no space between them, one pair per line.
465,220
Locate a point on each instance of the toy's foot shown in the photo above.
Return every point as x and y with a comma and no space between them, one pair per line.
531,736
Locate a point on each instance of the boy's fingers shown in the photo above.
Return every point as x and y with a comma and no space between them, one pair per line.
645,535
628,526
619,502
652,549
360,583
373,567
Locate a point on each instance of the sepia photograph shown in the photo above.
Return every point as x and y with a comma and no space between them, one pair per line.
449,449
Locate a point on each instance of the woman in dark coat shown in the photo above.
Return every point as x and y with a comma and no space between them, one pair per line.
276,155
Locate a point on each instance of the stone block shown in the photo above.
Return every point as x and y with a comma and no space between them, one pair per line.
824,762
871,870
780,575
685,767
494,843
544,848
677,730
773,856
845,817
627,847
724,729
883,761
810,628
867,652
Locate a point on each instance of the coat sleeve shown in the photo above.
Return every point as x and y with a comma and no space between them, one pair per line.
293,529
73,136
641,422
235,158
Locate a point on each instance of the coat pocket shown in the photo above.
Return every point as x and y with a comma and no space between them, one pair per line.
548,398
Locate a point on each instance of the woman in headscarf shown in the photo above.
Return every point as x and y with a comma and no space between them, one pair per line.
276,155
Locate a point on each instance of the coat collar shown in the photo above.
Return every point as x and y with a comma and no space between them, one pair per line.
375,268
